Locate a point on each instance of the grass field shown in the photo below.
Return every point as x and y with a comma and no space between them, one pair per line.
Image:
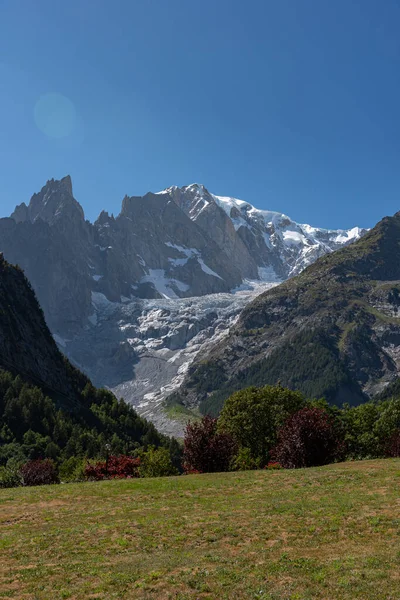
331,532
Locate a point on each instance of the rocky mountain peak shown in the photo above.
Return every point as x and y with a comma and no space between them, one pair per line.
54,201
67,183
103,218
21,213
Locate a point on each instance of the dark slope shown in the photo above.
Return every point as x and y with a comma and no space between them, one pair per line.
47,407
332,331
27,347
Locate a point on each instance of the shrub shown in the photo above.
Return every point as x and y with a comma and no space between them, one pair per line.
116,467
273,465
307,439
156,462
244,461
9,478
207,450
72,469
393,445
38,472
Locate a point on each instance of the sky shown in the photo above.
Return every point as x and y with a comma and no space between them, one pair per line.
292,105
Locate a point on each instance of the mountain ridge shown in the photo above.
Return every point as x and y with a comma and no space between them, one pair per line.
344,308
132,299
179,242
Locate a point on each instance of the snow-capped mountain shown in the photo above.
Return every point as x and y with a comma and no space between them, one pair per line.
132,299
279,246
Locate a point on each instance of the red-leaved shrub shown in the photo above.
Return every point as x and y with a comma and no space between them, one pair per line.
116,467
273,465
38,472
393,445
307,439
205,449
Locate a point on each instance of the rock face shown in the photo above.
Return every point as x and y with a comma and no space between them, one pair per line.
265,244
102,285
332,331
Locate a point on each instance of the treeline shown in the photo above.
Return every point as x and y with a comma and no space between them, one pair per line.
32,427
274,426
309,362
270,426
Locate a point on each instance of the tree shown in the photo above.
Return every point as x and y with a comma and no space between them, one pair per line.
207,450
253,416
307,439
39,472
370,426
156,462
393,445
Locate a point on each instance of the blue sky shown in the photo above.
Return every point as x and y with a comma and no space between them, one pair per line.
293,105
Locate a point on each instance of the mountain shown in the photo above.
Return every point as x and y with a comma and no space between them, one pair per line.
132,299
264,244
47,407
181,242
27,347
333,331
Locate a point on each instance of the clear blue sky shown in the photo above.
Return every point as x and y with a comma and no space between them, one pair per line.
293,105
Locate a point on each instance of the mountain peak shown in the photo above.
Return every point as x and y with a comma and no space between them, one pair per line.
55,200
194,186
67,183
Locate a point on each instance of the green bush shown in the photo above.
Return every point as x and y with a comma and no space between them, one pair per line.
156,462
72,469
244,461
9,477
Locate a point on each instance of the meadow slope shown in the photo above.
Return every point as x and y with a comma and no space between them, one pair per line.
322,533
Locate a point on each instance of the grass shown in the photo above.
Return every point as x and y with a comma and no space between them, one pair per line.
180,413
323,533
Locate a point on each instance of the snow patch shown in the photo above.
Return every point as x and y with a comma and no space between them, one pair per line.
190,253
163,284
293,237
207,269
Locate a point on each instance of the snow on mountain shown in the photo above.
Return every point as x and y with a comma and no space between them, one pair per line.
132,299
277,245
297,244
142,349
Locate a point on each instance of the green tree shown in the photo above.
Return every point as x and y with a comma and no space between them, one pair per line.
156,462
253,416
369,426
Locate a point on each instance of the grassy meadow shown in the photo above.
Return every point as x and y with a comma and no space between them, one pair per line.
321,533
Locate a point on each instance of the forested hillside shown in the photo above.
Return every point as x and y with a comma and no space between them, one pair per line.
48,408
